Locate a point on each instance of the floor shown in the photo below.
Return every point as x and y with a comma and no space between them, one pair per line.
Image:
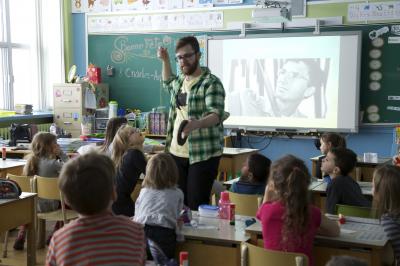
16,257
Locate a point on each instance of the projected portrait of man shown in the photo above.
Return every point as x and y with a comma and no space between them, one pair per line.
297,80
293,87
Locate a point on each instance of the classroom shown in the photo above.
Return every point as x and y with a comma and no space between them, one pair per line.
236,132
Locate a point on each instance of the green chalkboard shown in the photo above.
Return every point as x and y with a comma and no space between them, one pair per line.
136,82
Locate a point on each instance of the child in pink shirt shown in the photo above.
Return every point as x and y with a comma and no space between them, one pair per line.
289,221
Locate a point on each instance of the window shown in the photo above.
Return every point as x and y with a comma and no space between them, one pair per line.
31,52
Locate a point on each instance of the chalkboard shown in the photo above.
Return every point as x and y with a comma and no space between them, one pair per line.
136,82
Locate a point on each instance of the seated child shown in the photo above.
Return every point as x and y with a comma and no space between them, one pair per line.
328,141
130,162
338,163
289,221
97,237
160,202
386,187
45,159
254,175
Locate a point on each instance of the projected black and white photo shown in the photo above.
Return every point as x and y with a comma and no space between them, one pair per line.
289,81
290,87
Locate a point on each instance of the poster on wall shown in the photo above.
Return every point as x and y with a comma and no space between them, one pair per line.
374,11
78,6
99,5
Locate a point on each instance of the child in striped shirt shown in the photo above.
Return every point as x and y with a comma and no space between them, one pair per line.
386,187
97,237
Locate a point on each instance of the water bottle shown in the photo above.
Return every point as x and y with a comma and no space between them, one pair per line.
224,205
53,129
112,109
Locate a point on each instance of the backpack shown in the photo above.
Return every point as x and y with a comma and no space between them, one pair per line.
9,189
20,133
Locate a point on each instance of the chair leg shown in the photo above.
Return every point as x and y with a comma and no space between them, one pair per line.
5,245
41,233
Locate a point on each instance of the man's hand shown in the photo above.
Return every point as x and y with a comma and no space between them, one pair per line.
190,126
162,54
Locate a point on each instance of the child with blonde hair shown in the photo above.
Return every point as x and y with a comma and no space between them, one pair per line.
45,159
127,155
160,202
289,221
386,187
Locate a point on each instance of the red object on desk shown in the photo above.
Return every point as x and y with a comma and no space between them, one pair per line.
342,220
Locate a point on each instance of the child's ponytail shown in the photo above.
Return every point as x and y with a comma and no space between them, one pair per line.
291,180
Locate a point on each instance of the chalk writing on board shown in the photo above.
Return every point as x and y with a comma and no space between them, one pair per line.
125,50
139,73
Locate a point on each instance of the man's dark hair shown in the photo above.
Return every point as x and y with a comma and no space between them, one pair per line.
314,70
259,166
188,40
345,159
87,182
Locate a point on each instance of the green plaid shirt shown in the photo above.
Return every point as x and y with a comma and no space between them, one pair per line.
205,97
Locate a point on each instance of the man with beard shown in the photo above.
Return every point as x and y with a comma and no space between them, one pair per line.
196,112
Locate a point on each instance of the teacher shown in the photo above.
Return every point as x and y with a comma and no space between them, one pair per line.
196,113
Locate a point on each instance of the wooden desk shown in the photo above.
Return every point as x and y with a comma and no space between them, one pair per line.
214,242
232,160
12,166
16,212
363,170
363,238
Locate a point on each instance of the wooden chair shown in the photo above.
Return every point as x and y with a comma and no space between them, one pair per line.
252,255
24,183
245,204
355,211
47,188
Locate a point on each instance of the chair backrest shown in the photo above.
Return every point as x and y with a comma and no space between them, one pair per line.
356,211
46,187
245,204
252,255
24,182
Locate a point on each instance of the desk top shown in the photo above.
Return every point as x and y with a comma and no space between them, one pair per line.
237,151
24,195
217,230
320,186
358,232
361,162
10,163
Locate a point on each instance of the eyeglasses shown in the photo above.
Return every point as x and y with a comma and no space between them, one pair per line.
184,56
291,74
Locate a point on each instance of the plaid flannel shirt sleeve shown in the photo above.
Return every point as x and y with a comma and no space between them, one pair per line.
215,99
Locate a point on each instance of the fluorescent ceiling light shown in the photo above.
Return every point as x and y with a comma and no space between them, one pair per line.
271,14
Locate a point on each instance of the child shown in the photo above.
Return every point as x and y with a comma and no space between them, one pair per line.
112,126
338,163
45,159
160,202
386,187
96,237
130,162
289,221
254,175
327,142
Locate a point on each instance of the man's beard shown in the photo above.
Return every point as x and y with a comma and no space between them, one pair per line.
190,68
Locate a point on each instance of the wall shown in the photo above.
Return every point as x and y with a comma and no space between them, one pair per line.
370,138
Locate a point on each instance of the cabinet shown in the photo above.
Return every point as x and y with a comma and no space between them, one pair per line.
69,104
